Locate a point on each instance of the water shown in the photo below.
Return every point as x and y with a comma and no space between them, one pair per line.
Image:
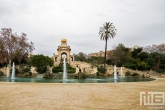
121,72
115,73
65,80
64,71
13,72
87,80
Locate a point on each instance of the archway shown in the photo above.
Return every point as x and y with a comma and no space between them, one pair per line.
63,50
64,55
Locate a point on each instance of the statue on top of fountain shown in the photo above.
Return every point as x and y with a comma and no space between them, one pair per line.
63,49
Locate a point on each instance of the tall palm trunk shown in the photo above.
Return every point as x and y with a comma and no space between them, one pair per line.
105,54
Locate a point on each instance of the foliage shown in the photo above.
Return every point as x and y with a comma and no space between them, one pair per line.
90,75
72,76
26,69
48,75
128,73
60,69
136,64
41,62
108,31
96,60
70,69
135,52
28,74
135,75
81,75
101,69
13,45
120,55
80,57
143,76
143,56
139,58
1,73
42,69
160,71
57,69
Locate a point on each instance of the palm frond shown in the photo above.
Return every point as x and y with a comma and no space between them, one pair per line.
107,31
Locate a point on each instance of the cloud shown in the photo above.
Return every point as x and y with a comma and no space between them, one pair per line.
46,22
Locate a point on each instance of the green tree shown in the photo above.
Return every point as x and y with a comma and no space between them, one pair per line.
106,32
41,62
120,55
80,57
135,52
101,69
96,60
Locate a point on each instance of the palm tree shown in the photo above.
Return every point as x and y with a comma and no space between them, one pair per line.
107,32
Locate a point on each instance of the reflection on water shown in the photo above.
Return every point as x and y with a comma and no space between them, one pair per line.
87,80
115,80
12,80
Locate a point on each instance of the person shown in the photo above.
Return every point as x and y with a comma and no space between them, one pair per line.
79,69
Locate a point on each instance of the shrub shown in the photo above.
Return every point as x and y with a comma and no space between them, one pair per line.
48,76
135,74
128,73
101,69
42,69
1,73
71,76
60,69
57,69
90,75
160,71
71,71
143,76
82,75
26,69
26,75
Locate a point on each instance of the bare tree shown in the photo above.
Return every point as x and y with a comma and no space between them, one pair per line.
155,48
25,47
12,44
9,43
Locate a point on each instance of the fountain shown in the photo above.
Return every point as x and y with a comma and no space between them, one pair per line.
13,72
7,71
115,73
121,72
64,70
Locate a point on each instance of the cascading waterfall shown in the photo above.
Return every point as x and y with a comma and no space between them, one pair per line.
64,70
13,72
115,73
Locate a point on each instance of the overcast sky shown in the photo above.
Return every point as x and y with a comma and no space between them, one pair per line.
46,22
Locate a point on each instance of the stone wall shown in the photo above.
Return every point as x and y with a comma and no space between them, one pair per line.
4,70
110,69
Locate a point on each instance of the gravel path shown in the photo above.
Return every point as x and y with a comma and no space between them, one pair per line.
108,96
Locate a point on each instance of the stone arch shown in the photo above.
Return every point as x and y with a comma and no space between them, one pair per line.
63,49
63,54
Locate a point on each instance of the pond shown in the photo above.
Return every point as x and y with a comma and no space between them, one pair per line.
87,80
